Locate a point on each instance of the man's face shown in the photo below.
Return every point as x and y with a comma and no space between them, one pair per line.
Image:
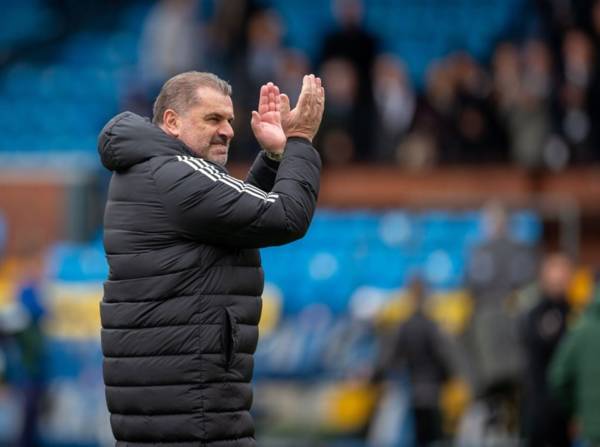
206,127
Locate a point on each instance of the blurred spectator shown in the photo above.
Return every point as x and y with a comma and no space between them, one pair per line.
574,373
541,329
523,87
352,43
340,132
555,16
497,267
420,346
172,40
264,47
395,104
435,111
227,31
499,264
593,23
417,151
20,325
290,70
578,75
481,137
259,64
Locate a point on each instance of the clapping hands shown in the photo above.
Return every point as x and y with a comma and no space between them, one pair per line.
275,121
304,119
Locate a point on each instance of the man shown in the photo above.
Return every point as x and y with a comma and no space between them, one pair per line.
419,345
574,372
497,267
182,301
545,423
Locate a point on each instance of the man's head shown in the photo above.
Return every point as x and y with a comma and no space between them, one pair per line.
197,109
495,219
417,292
556,275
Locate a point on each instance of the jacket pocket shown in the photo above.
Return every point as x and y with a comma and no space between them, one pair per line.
229,336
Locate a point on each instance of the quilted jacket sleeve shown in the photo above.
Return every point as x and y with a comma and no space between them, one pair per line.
206,204
263,172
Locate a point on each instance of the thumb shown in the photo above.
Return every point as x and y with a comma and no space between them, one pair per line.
285,104
255,121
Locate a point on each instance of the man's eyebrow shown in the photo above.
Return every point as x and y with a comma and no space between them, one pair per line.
219,115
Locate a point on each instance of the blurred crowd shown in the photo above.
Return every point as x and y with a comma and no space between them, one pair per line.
532,103
526,354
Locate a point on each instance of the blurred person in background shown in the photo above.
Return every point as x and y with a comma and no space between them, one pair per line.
259,63
395,106
227,30
342,128
290,70
419,346
542,327
352,43
481,137
435,112
173,41
592,23
22,334
182,301
574,372
556,16
264,47
578,76
498,266
594,91
523,85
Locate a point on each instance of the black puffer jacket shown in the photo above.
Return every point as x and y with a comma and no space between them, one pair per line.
182,302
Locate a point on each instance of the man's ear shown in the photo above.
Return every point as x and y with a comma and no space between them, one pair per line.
172,123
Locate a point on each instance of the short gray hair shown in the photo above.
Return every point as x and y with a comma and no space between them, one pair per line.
180,92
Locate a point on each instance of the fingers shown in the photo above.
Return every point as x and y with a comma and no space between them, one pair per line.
284,103
269,100
263,100
308,113
255,121
312,92
274,99
320,91
312,96
303,93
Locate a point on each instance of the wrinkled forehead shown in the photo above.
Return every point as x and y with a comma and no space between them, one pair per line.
209,102
208,97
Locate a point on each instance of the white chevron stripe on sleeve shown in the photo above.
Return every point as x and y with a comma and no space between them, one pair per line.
213,173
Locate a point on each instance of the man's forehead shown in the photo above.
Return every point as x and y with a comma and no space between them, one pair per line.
214,99
211,93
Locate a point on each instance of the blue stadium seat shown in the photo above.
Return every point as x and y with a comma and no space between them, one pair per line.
69,262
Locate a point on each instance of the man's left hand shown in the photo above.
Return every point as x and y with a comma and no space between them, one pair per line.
266,123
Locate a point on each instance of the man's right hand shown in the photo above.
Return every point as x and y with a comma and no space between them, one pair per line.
304,119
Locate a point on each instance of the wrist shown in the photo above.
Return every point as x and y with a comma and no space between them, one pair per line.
300,135
275,156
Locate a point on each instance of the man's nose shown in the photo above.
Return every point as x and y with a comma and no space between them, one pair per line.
226,130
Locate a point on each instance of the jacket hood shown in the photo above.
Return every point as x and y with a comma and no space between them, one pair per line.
129,139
